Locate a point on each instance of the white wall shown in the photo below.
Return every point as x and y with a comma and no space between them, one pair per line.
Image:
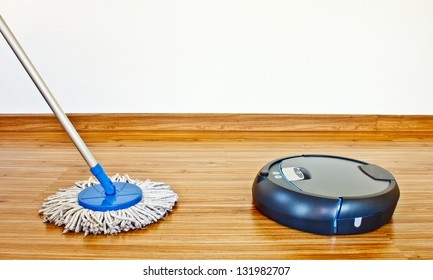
245,56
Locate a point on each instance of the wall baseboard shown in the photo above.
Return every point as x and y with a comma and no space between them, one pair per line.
220,122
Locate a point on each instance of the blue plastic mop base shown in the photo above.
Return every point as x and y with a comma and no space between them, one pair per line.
94,197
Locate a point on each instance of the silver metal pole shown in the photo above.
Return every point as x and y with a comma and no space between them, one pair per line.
46,93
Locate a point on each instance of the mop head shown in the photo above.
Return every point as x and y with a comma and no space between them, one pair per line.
62,208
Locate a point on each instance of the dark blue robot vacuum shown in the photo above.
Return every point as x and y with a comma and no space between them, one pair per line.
325,194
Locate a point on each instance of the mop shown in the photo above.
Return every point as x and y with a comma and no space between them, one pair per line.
99,205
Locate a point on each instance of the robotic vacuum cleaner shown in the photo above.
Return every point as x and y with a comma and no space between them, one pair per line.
325,194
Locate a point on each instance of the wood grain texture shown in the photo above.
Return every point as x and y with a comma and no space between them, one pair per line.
212,172
219,122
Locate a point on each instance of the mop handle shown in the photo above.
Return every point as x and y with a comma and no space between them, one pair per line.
95,168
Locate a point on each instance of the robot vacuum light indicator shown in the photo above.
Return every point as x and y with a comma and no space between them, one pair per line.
357,222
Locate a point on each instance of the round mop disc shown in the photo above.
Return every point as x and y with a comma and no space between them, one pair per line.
63,209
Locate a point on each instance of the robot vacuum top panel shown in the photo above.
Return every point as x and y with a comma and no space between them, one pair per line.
326,176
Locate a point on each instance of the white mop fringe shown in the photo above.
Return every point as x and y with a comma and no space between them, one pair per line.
62,208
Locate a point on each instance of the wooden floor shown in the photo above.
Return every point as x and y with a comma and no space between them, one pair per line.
212,172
